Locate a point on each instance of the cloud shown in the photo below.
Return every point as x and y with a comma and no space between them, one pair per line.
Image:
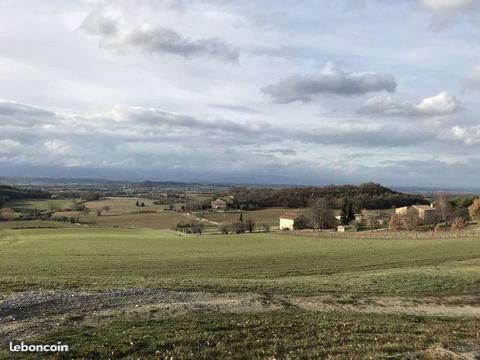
12,112
447,5
329,81
445,12
117,34
437,105
469,135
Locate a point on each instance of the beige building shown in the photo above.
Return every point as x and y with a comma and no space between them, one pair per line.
222,203
424,212
287,220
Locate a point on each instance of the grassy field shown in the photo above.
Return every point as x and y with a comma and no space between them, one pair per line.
123,205
277,335
87,257
347,272
160,220
44,204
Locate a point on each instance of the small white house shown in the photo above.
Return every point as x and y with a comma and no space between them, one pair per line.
287,220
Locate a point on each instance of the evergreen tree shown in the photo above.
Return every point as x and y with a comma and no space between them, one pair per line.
343,213
350,213
347,214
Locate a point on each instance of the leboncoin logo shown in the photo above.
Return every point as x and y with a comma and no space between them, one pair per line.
22,347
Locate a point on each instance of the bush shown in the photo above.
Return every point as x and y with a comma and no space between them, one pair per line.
458,224
238,227
193,227
300,223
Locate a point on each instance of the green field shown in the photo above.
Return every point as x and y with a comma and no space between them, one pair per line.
96,258
41,205
441,274
280,335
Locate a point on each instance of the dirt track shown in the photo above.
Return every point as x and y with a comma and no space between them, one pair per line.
28,313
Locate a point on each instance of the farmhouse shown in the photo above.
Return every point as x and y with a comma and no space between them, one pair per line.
287,220
424,212
222,203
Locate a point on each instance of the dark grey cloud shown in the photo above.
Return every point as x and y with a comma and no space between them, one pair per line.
438,105
329,81
152,38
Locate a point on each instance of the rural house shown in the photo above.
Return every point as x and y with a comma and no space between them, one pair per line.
426,213
222,203
287,220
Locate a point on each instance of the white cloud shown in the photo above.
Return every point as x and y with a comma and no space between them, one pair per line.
468,135
437,105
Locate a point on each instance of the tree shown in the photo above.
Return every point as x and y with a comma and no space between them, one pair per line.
300,222
410,220
474,209
238,227
461,212
346,213
250,225
444,208
458,224
322,215
396,223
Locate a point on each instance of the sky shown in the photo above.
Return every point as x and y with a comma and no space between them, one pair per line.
271,91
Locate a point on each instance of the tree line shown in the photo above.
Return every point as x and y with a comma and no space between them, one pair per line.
365,196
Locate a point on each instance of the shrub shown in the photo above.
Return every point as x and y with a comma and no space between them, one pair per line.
474,209
396,223
458,224
193,227
300,223
238,227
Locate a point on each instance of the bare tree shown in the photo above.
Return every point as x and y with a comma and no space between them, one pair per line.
411,220
322,215
396,223
444,208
